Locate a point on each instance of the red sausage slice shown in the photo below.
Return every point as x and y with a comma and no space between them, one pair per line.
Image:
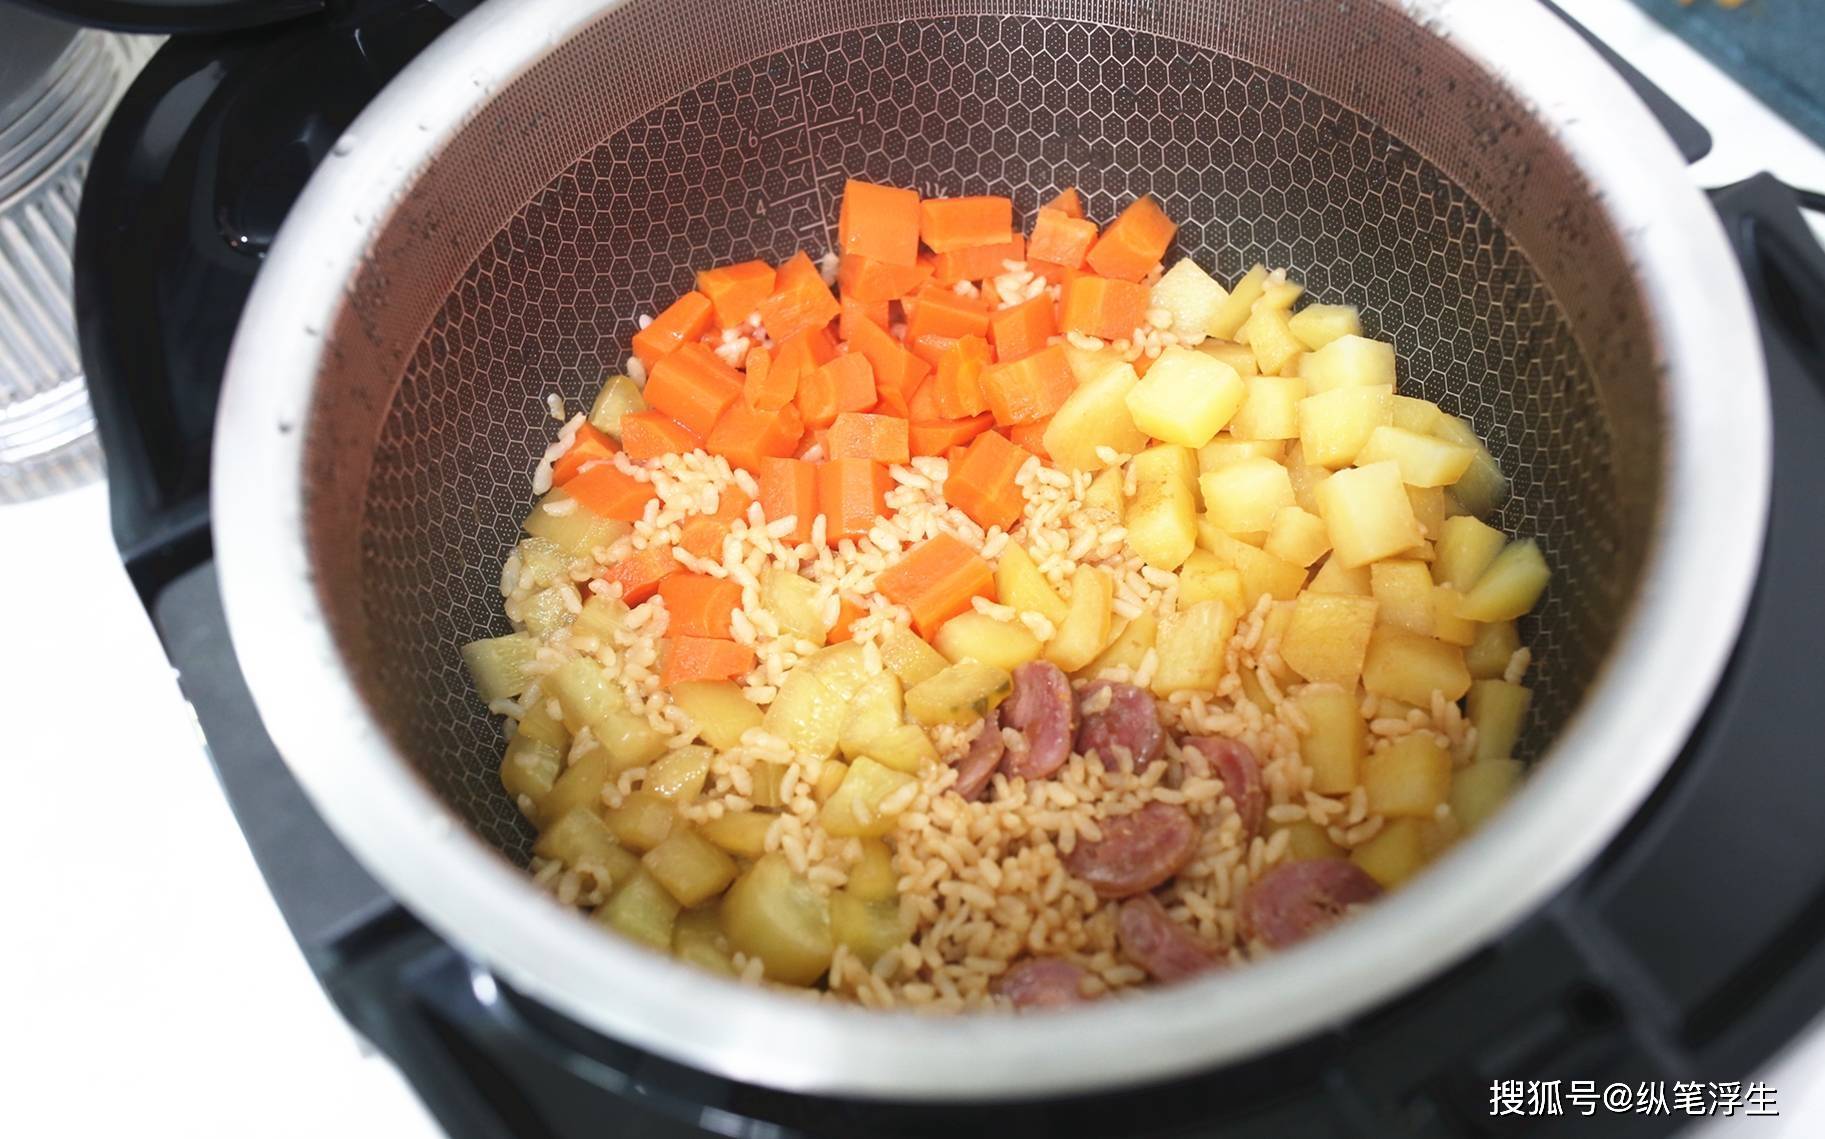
1041,982
1163,947
1127,721
1235,765
978,764
1137,851
1042,711
1295,900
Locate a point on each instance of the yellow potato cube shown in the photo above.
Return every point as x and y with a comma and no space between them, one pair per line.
575,532
769,785
1191,646
1105,494
640,908
1191,295
1273,632
1479,789
843,667
794,602
1466,546
690,867
1234,309
1235,355
1481,488
1349,361
1510,586
1087,364
977,636
1226,449
1305,478
1095,415
910,658
961,694
1085,630
1270,408
1367,514
806,713
1297,536
905,748
1186,397
741,833
1261,572
874,710
642,821
1328,637
1205,577
1489,653
1447,624
1395,854
1268,336
1334,577
774,914
1420,415
580,838
1498,711
1335,739
829,778
1276,293
1161,517
1410,778
1019,583
1243,497
529,770
866,804
679,775
873,878
1128,648
698,939
719,711
1423,459
1428,504
869,929
1318,325
1308,841
1335,425
1410,667
1403,589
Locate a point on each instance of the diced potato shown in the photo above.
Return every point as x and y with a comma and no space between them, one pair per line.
1234,309
529,769
1243,497
579,787
1191,295
547,611
543,559
1186,397
1305,477
1495,644
574,530
1403,589
874,710
873,878
868,928
1510,586
640,908
1410,778
1277,293
1085,630
1447,624
1482,487
1308,841
1421,415
1087,364
602,618
1273,632
961,694
793,601
1349,361
1106,494
679,775
774,914
1235,355
1270,408
1333,577
1191,644
1335,425
806,713
1132,640
1095,415
590,699
698,939
719,711
1410,667
769,785
542,723
741,833
1257,695
690,867
1498,711
904,748
1226,449
1270,337
501,667
1428,504
1019,583
910,658
1395,854
1162,515
581,838
857,808
842,667
1424,460
1466,546
642,821
619,396
1297,536
1335,739
1318,325
1367,514
976,636
1328,637
1479,789
1206,577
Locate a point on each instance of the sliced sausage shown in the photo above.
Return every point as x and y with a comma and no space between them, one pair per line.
1125,719
1295,900
1137,851
1235,765
1041,982
978,764
1163,947
1042,711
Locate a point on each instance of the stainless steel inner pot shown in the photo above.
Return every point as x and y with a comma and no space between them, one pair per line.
488,232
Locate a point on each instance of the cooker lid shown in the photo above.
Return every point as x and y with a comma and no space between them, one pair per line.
177,17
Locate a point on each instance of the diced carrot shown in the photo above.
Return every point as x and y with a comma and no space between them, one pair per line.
1060,239
800,301
891,402
1102,306
978,262
869,281
606,491
703,658
947,224
589,446
1142,363
938,436
858,435
1031,436
894,366
688,318
935,310
982,484
936,580
854,314
699,605
767,388
931,347
954,455
847,614
923,403
958,386
1052,271
702,534
851,495
1029,388
1067,203
881,222
846,383
693,385
794,357
788,487
991,296
1134,242
746,435
650,434
640,572
1023,329
736,290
